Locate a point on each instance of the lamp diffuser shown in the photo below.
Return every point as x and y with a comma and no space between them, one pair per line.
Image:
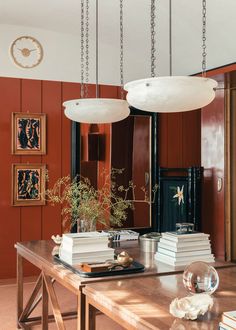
171,93
96,111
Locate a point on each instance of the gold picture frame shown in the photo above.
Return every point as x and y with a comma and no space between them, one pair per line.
28,184
28,133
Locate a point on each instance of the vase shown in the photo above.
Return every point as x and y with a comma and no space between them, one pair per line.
84,225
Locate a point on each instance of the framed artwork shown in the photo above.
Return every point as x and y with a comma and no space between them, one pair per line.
28,184
28,133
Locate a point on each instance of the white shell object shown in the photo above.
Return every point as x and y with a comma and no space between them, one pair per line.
192,306
56,239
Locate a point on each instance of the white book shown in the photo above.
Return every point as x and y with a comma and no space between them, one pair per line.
185,237
107,251
84,238
184,261
223,326
88,259
229,318
89,246
177,254
181,248
184,243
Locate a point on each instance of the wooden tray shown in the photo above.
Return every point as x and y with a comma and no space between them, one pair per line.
135,267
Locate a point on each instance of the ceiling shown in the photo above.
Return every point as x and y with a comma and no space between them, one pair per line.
63,17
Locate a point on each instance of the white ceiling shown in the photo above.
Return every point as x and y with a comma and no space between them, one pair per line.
62,17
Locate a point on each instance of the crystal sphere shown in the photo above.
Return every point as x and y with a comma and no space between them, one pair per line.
199,277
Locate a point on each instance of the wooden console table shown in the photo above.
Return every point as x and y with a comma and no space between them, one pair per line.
39,253
143,303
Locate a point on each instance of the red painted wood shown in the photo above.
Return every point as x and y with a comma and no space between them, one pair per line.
175,140
163,139
213,161
51,105
31,215
191,138
10,216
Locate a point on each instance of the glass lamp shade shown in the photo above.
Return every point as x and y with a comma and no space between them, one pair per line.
97,110
170,94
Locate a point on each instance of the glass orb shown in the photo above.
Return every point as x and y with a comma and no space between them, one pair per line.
199,277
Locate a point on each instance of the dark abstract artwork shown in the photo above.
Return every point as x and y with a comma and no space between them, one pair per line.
28,136
28,184
28,133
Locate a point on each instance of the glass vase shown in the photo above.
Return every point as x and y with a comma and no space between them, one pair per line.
84,225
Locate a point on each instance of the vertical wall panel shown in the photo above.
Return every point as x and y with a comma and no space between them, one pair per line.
31,215
10,216
213,162
51,105
191,138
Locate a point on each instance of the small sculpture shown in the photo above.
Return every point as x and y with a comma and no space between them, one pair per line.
124,259
56,239
191,307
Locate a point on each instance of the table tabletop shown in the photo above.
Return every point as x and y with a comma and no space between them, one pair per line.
40,254
143,303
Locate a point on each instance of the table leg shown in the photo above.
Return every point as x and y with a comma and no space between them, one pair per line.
19,288
80,311
90,316
44,306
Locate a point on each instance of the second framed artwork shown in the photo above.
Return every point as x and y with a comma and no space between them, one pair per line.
28,133
28,184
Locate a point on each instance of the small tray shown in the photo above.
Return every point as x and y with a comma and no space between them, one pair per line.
135,267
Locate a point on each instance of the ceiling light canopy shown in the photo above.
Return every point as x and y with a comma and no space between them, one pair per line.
96,111
171,93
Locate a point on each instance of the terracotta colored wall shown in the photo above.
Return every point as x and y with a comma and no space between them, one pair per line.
179,139
35,222
213,161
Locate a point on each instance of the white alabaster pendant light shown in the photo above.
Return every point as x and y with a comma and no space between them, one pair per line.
96,110
172,93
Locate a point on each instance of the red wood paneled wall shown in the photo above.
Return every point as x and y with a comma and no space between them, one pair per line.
213,161
179,144
34,222
179,135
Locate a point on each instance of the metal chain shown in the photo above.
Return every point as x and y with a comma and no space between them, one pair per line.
82,48
87,48
153,37
204,54
121,52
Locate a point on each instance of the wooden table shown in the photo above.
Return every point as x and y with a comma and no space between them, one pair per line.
39,253
143,303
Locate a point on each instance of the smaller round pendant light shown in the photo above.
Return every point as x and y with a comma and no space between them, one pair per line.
172,93
96,110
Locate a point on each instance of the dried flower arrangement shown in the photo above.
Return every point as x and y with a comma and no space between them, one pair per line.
107,205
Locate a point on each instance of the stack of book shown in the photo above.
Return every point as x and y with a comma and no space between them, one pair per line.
228,321
85,248
181,249
123,235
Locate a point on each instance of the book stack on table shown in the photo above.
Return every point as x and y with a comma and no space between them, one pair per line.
123,235
85,248
228,321
181,249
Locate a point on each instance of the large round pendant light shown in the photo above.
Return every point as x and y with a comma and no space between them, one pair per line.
96,110
172,93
